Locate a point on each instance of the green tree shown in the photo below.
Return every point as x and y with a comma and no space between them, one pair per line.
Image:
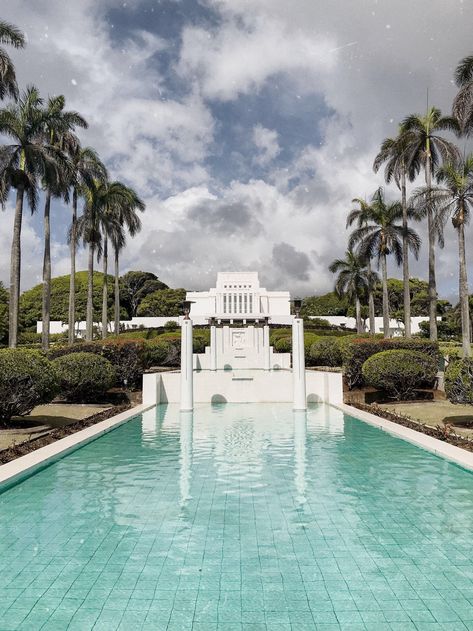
12,36
135,286
165,303
31,300
381,235
454,198
352,282
59,133
85,167
399,167
426,146
463,101
22,163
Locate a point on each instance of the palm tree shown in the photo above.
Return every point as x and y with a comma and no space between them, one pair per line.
400,167
463,102
361,216
128,218
22,164
352,281
59,133
109,206
12,36
381,235
86,168
424,145
88,228
454,198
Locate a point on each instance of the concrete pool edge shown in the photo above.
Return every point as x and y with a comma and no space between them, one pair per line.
454,454
17,470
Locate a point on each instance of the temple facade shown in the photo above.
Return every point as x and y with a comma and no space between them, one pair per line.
238,296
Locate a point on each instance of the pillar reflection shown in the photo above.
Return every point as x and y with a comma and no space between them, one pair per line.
300,437
185,461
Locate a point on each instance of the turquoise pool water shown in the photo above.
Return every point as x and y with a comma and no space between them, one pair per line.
240,518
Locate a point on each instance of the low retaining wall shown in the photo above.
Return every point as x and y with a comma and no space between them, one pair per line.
245,386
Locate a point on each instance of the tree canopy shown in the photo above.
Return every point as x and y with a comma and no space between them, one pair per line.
135,286
164,302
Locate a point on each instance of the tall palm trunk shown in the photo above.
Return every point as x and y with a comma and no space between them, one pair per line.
89,327
105,290
463,290
359,323
384,274
405,259
117,293
72,279
15,270
431,230
371,301
46,307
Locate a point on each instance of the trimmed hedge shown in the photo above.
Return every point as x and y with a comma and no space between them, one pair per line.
355,351
400,372
326,352
163,353
128,357
459,381
84,376
27,379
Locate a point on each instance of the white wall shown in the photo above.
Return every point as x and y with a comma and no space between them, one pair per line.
246,386
395,326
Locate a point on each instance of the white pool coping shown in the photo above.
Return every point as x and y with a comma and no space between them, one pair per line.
24,466
459,456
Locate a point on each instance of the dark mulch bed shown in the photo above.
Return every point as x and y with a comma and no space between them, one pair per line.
6,455
445,432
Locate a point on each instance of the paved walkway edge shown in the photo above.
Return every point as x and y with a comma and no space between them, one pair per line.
459,456
13,472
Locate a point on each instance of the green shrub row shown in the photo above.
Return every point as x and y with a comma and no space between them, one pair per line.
459,381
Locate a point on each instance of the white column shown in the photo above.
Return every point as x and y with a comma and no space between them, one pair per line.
213,347
298,364
187,374
266,348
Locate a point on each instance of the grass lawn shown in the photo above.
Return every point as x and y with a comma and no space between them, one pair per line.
434,413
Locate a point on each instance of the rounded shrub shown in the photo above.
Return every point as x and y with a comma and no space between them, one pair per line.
283,344
326,352
162,353
27,378
84,376
400,372
459,381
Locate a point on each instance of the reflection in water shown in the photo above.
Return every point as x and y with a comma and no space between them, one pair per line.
300,436
185,460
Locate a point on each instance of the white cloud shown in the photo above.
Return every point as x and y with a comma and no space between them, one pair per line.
266,141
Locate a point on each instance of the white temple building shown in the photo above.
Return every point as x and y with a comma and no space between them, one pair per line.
239,296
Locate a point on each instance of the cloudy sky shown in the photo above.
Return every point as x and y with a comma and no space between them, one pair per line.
246,125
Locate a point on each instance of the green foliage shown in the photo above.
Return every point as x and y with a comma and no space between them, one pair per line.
326,352
83,376
400,372
283,344
165,303
127,356
27,379
459,381
326,305
31,300
171,325
135,286
419,291
3,314
161,352
356,351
